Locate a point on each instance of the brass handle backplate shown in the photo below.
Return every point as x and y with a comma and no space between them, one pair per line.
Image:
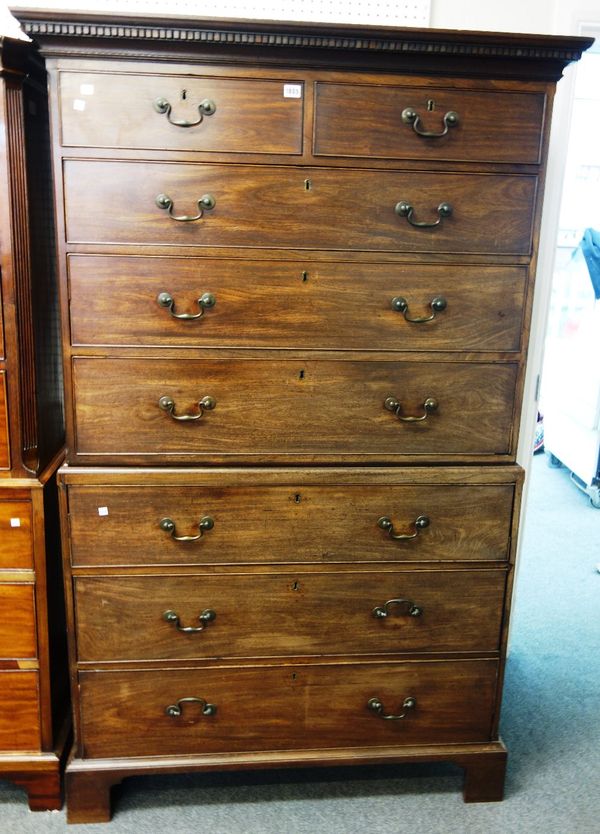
207,616
400,304
205,203
395,406
407,608
411,117
420,523
375,705
168,404
404,209
176,709
205,302
168,525
206,108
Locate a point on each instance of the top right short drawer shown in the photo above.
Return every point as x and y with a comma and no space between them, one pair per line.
428,123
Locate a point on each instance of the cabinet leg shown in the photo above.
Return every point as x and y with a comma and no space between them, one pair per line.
43,790
484,778
88,796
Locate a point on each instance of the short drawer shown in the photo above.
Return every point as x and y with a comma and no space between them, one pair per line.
284,614
138,524
291,409
291,707
428,123
206,302
19,712
17,615
16,542
174,112
4,445
308,208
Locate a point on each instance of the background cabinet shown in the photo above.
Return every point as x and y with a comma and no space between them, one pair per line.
33,675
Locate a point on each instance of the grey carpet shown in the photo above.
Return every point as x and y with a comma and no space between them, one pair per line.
550,722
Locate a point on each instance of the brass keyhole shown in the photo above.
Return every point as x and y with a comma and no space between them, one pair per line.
304,276
295,585
297,498
307,185
301,375
183,95
430,105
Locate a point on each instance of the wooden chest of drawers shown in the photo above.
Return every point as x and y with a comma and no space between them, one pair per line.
296,272
33,674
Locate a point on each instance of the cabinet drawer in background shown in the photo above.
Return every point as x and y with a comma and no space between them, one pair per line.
286,614
290,707
121,525
265,408
125,110
303,208
280,304
17,615
4,446
370,120
16,543
19,712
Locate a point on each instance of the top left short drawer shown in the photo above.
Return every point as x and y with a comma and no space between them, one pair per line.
176,112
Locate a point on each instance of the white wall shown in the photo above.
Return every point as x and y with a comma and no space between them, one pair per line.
500,16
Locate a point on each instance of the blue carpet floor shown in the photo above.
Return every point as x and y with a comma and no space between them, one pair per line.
550,723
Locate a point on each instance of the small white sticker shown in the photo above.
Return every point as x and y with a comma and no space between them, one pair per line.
292,90
102,510
86,89
15,522
79,104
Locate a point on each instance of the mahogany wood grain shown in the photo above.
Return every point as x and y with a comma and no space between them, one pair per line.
305,208
308,523
17,615
19,712
283,614
303,304
16,541
290,707
252,115
366,120
4,443
297,408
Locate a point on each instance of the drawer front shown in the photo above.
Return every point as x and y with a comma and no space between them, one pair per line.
122,525
106,110
4,447
16,543
294,408
285,708
17,615
490,126
120,301
19,712
249,615
116,202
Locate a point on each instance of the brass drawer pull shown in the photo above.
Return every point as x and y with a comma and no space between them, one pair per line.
206,108
395,406
420,523
400,304
168,525
168,404
207,616
205,203
411,117
205,302
409,609
176,709
404,209
375,705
